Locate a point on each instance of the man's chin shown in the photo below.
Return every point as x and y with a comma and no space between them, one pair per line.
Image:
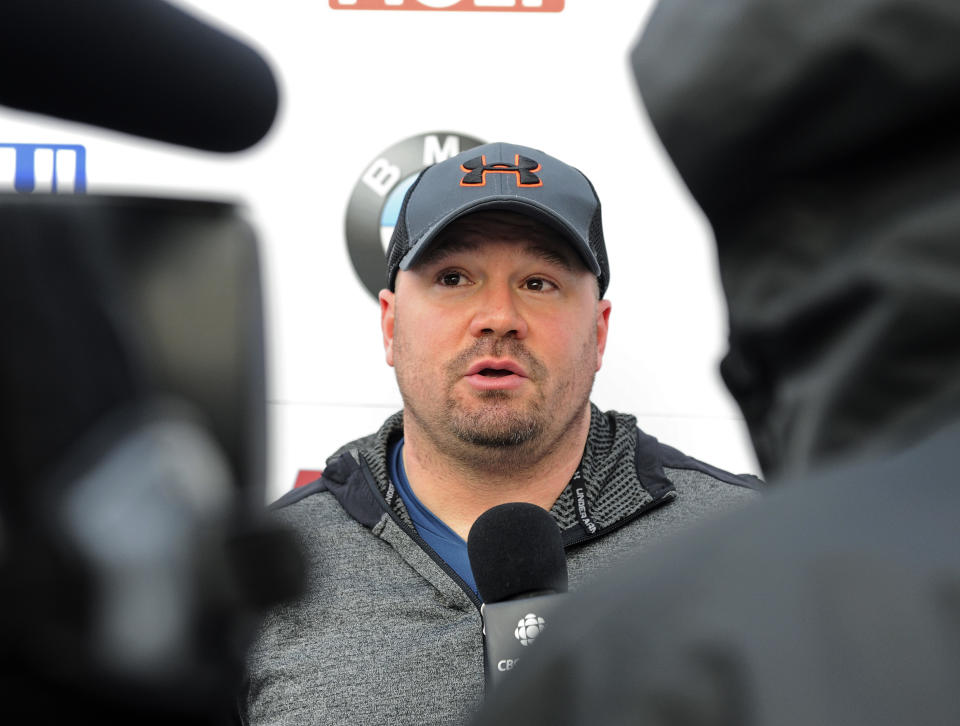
495,439
497,429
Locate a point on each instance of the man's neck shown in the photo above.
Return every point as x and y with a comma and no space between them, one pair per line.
458,490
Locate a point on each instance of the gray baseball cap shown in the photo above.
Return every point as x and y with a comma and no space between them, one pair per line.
504,177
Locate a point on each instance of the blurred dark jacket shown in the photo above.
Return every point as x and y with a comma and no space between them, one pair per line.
821,139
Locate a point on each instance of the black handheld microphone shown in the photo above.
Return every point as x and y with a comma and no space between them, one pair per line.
516,554
143,67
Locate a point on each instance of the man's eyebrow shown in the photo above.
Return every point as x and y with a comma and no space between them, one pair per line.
438,252
551,255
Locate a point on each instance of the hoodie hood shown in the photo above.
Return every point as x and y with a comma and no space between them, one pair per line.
821,140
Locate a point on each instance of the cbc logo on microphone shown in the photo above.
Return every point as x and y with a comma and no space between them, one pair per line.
529,628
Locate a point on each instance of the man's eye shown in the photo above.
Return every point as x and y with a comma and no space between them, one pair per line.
537,284
451,279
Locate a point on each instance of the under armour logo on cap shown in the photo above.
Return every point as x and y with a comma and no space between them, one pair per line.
477,169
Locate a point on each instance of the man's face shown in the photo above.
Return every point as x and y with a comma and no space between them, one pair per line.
495,336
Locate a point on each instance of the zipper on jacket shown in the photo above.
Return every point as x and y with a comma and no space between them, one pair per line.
415,535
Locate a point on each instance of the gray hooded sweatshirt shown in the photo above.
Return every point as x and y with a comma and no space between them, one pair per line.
387,633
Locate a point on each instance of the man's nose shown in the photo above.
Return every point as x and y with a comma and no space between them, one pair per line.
498,314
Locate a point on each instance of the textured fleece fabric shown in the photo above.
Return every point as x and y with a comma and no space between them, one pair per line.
386,633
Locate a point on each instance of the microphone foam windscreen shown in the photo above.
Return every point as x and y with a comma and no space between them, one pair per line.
143,67
516,549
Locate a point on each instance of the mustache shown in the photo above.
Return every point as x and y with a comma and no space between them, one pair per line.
498,348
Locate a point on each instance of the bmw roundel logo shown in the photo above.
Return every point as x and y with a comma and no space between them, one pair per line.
375,202
529,628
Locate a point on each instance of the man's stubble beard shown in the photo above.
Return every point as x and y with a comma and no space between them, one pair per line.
495,437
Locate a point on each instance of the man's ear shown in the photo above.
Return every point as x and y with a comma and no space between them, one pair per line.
603,326
387,317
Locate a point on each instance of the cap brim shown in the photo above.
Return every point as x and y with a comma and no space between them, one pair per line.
508,204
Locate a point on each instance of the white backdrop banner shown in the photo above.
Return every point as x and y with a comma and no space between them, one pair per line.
370,95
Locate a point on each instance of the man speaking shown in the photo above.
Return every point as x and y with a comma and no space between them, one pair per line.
495,321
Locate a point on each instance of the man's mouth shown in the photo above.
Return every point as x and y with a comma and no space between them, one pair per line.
495,372
493,368
491,374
